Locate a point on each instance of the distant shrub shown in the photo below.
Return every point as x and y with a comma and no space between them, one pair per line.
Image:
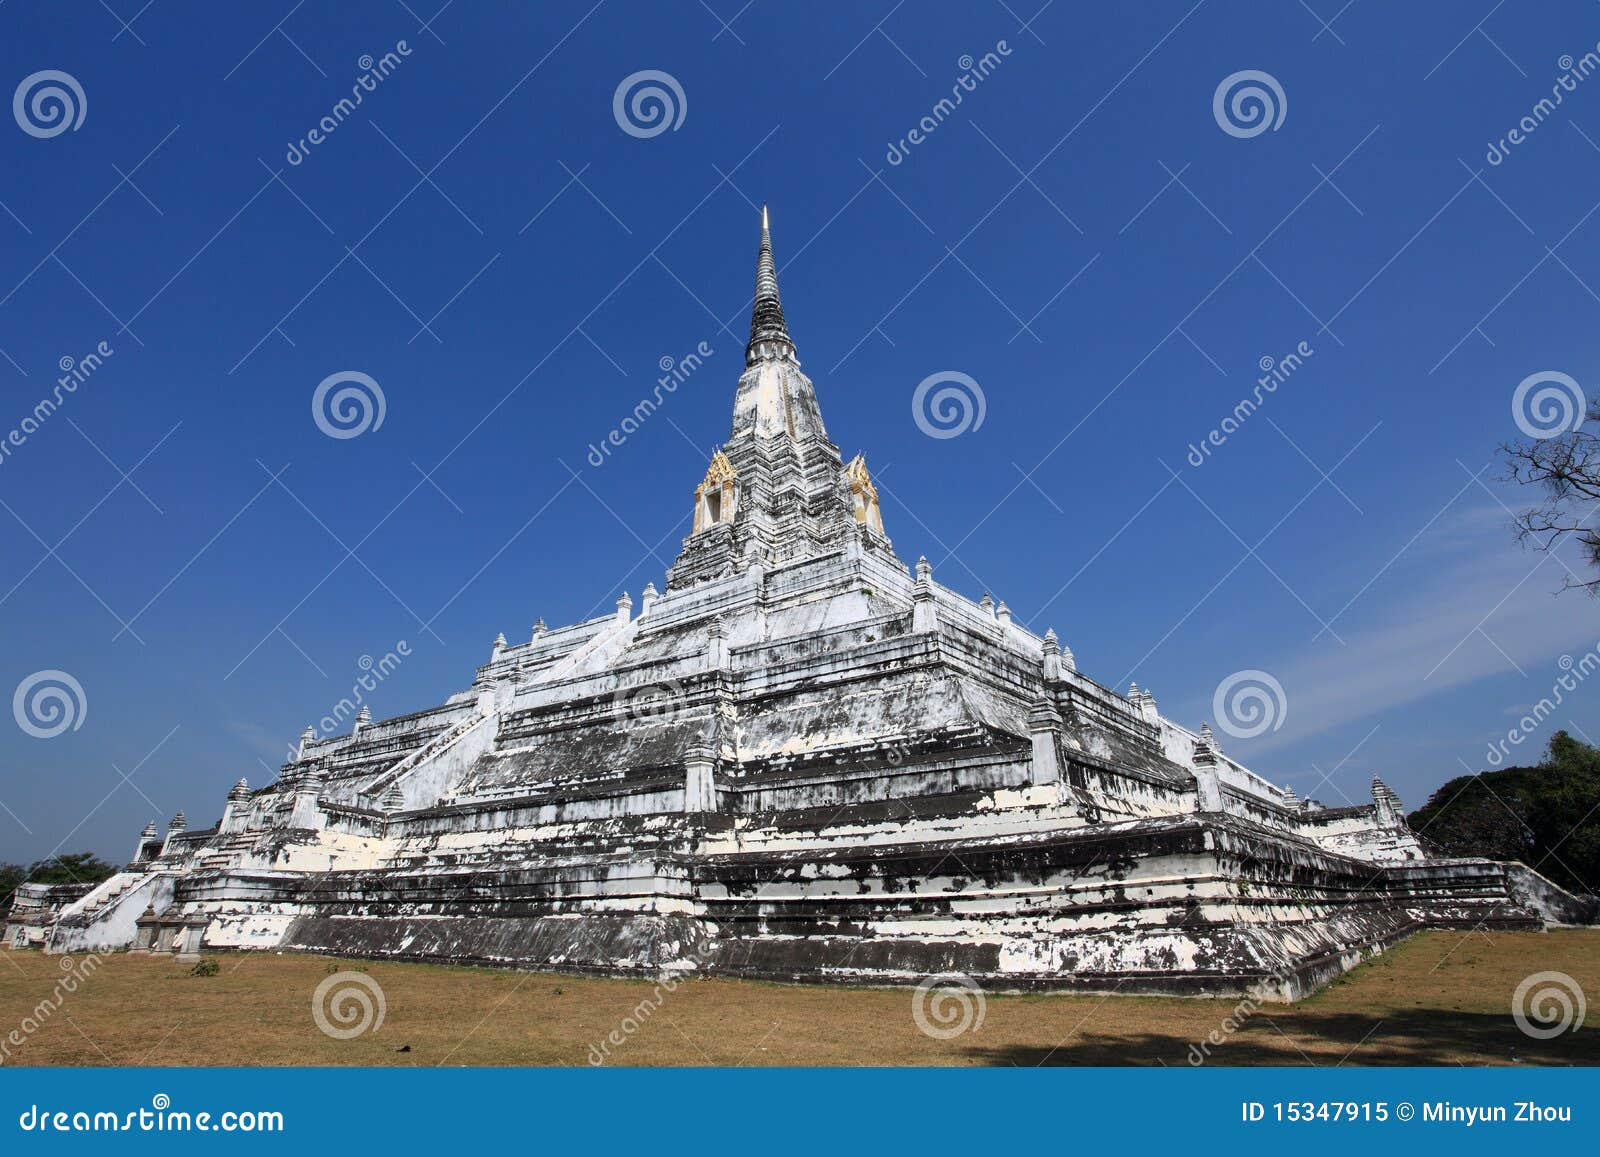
205,968
1547,816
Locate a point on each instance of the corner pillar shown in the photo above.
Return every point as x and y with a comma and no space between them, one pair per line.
717,657
1044,728
1207,780
924,609
699,784
306,813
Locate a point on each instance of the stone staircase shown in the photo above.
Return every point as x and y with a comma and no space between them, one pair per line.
106,917
605,643
224,852
104,896
373,793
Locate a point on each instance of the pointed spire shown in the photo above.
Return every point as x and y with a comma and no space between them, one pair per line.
1050,656
769,333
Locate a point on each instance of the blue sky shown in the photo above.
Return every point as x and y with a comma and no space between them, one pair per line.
484,240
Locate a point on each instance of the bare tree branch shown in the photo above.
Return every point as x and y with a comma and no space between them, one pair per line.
1567,468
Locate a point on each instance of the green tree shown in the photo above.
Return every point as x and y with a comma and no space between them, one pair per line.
1547,816
78,868
10,876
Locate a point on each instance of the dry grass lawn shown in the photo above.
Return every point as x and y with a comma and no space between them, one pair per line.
1439,998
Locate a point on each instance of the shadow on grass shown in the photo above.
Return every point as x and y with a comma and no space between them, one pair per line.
1268,1037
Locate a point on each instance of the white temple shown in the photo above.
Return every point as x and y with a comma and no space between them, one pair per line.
800,760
